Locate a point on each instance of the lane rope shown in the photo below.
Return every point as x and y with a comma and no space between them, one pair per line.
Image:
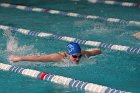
77,15
65,81
127,4
71,39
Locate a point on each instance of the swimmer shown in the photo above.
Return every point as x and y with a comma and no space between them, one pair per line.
73,55
137,35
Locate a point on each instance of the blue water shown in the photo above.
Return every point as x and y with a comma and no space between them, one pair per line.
115,69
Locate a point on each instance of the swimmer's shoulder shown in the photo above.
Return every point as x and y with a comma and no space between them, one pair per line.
63,55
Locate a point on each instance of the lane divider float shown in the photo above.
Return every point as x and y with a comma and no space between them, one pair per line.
77,15
71,39
65,81
110,2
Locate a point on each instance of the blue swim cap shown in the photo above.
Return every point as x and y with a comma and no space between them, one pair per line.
73,48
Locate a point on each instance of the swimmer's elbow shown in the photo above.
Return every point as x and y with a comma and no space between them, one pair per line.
98,51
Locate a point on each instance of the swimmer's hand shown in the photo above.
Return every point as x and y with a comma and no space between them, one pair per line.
14,58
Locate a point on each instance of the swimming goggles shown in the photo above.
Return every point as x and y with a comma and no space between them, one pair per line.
75,56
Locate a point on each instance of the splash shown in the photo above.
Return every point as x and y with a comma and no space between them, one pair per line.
12,46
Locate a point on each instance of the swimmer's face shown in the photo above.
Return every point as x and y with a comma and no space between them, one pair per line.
75,57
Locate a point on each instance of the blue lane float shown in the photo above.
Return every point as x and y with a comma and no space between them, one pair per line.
71,39
71,14
110,2
60,79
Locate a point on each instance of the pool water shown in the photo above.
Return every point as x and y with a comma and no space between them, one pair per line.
115,69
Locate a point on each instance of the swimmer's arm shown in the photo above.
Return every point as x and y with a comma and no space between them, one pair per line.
91,52
43,58
137,35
